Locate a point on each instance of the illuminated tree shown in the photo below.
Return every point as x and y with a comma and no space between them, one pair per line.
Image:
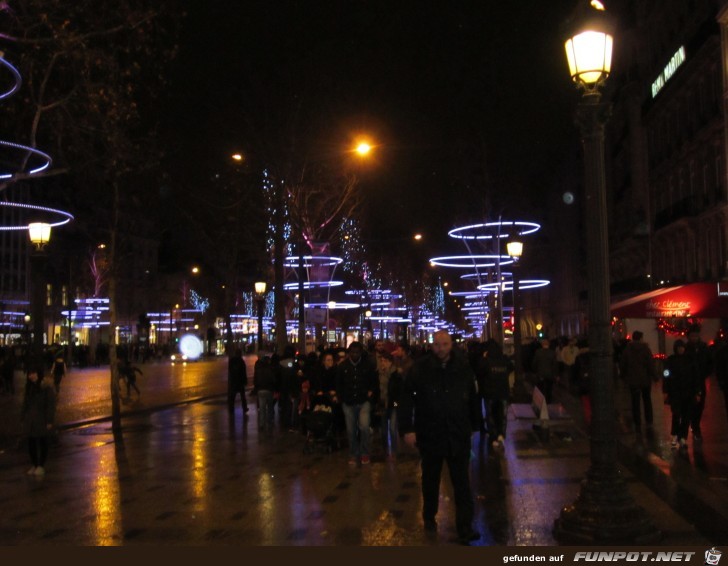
93,74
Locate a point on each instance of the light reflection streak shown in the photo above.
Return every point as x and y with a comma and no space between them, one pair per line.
199,464
106,500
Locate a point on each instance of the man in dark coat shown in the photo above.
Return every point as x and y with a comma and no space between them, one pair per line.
681,387
357,388
237,379
441,405
697,352
493,371
637,368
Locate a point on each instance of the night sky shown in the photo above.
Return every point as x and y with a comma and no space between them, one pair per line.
470,102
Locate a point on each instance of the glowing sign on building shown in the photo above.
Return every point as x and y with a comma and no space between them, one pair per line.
675,61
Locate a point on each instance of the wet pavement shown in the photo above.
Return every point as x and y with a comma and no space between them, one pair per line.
190,474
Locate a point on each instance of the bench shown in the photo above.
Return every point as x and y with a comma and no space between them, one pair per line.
538,408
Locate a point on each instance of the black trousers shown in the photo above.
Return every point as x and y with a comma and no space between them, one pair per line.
697,413
457,465
235,387
682,410
38,450
646,394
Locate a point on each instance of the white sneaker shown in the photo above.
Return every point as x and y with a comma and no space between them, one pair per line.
40,471
31,471
674,442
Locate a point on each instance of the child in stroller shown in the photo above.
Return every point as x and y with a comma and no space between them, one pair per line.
319,426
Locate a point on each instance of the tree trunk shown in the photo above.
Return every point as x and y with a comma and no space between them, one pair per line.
279,294
113,317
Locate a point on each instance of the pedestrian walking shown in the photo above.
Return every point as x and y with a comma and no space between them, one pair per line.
697,351
265,383
128,373
720,366
237,379
494,369
58,370
390,389
357,387
545,366
637,369
681,389
440,406
37,417
7,371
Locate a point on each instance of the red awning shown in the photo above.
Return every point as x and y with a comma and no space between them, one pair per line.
695,299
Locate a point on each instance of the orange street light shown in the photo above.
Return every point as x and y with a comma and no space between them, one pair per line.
237,157
363,148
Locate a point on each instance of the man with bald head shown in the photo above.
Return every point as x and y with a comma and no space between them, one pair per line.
441,406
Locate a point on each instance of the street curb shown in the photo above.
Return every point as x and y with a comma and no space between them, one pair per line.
13,442
88,422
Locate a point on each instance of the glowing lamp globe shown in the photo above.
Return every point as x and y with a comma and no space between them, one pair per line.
514,249
260,287
589,46
39,233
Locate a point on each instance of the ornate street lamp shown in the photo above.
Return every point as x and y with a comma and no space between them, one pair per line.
260,287
604,512
39,234
514,249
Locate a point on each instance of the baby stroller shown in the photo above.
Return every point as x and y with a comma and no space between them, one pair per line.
319,424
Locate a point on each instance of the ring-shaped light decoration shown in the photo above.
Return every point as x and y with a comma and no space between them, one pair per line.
490,230
56,217
507,274
474,260
471,294
337,305
371,293
523,284
16,79
38,162
311,284
312,261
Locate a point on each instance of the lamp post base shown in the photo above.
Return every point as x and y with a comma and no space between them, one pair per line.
604,513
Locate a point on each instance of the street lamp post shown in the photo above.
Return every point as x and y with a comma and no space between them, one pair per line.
330,305
39,234
260,297
604,512
515,250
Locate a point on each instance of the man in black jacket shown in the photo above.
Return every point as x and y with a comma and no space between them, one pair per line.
357,387
237,378
697,352
441,406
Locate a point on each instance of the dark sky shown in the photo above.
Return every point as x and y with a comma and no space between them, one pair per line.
470,102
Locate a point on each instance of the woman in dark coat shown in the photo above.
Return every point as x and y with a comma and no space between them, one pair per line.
37,415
